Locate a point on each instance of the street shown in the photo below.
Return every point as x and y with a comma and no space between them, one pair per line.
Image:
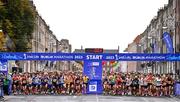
89,98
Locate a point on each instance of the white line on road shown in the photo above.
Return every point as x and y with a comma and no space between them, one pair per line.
145,99
97,100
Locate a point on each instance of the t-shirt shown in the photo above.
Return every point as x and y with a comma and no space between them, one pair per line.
149,78
15,79
24,80
123,77
29,80
50,81
128,81
39,81
6,82
118,81
135,81
35,80
45,80
77,80
61,79
141,81
145,82
54,80
169,79
112,80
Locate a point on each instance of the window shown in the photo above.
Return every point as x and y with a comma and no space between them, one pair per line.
40,37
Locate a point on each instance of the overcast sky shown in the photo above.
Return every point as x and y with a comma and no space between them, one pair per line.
98,23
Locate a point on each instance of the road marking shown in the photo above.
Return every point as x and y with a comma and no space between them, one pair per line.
97,100
74,96
145,100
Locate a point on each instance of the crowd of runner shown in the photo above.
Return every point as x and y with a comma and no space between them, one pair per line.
76,84
49,83
138,84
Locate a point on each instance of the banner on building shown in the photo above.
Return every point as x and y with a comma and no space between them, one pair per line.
169,44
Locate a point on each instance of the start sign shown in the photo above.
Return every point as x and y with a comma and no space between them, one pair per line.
94,57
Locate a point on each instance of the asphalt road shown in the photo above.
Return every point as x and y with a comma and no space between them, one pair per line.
89,98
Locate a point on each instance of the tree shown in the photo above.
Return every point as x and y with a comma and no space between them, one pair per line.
18,17
2,40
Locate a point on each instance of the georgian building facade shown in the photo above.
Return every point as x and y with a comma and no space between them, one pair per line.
43,41
167,20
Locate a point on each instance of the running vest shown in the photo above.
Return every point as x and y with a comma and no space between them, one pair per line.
141,81
158,82
85,79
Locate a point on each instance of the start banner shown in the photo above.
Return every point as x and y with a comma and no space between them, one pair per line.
91,57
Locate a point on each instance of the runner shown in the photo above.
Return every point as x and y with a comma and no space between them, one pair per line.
128,85
118,83
106,87
77,85
135,86
150,83
169,84
61,84
24,84
85,83
158,83
50,85
54,84
164,85
15,83
29,84
145,81
141,85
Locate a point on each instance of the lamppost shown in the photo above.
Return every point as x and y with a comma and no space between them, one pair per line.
64,48
140,48
152,38
169,26
50,48
143,45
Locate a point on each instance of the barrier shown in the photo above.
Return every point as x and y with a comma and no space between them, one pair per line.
1,92
1,88
94,87
177,89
